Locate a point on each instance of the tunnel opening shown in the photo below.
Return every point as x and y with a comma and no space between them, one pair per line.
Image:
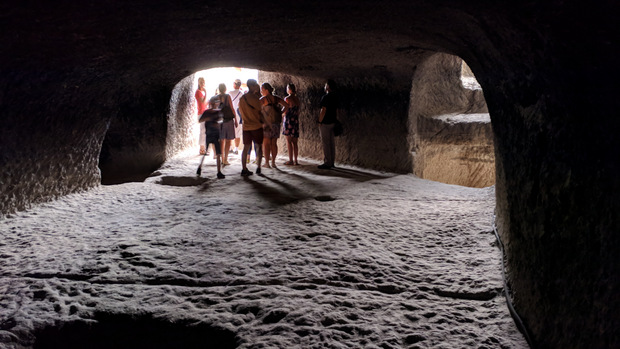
441,113
452,138
184,132
124,331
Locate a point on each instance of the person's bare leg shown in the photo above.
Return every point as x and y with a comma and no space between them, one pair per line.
225,150
259,159
295,148
244,158
289,147
266,150
248,152
274,151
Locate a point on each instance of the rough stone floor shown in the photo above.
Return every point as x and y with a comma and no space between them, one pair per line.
295,258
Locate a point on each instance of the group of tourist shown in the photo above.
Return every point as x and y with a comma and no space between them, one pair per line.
258,117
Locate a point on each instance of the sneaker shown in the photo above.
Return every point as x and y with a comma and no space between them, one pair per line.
324,167
258,170
220,175
236,152
245,172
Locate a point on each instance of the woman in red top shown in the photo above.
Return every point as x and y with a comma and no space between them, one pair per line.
201,103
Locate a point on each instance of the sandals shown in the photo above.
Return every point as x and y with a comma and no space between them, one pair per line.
289,163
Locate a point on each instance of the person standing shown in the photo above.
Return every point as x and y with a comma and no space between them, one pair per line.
235,95
201,105
223,102
291,125
327,121
212,120
250,108
271,108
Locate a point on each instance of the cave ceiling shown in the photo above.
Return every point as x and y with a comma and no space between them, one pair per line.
311,38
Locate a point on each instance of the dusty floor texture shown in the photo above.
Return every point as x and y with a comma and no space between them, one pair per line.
295,258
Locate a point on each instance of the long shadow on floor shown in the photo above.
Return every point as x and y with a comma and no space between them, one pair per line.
356,175
285,195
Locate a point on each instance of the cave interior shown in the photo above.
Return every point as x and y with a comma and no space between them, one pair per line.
100,89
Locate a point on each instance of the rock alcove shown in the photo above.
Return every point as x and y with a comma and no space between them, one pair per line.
84,82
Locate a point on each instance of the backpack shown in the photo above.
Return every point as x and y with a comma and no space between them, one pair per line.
277,117
229,115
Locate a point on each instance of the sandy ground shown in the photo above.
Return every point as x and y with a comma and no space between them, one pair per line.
295,258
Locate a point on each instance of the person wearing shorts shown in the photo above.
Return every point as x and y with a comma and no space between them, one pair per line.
212,120
250,109
227,128
271,108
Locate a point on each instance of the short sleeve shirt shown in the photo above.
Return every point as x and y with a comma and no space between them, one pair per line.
200,105
235,95
330,102
250,107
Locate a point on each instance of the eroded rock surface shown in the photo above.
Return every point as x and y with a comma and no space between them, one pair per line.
81,81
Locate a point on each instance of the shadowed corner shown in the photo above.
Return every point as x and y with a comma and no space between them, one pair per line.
122,331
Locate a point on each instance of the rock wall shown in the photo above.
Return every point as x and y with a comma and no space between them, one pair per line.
50,137
452,137
135,143
70,70
558,211
373,113
182,120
